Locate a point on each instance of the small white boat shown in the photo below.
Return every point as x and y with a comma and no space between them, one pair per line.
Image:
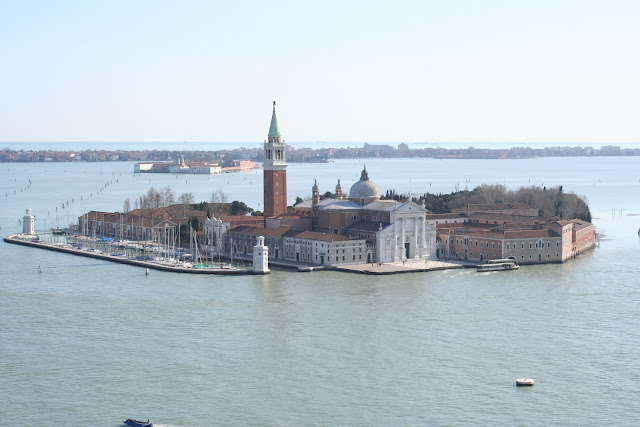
523,382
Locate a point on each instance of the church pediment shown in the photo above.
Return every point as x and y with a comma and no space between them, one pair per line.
409,207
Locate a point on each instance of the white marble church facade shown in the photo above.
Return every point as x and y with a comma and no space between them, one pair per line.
407,236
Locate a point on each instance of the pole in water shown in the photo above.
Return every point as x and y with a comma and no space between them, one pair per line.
39,270
146,273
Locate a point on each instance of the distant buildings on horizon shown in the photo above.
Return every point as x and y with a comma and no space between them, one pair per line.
304,154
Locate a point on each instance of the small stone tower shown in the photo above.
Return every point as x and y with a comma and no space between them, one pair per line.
315,193
29,223
339,195
261,257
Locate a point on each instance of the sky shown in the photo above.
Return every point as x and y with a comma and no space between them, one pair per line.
347,71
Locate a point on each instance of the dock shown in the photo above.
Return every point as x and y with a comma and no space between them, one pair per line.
409,266
56,247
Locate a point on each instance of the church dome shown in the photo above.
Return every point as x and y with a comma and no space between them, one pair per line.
364,189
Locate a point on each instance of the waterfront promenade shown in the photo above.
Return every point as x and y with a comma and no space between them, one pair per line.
410,266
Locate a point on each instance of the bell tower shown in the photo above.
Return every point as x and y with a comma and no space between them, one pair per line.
275,171
339,194
315,193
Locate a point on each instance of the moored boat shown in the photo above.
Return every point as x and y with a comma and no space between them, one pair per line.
524,382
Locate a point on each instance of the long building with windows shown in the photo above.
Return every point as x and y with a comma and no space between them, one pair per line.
529,239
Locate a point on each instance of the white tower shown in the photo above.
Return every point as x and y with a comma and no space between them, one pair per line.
261,257
29,223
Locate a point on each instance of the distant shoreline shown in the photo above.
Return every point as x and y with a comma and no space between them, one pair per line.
311,155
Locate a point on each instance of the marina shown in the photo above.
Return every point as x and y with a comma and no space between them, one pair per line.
131,257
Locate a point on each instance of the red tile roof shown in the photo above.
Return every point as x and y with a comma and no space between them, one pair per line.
277,232
579,224
446,215
325,237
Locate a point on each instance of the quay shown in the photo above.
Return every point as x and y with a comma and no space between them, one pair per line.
409,266
377,269
32,242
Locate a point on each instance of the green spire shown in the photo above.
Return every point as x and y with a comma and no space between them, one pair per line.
274,130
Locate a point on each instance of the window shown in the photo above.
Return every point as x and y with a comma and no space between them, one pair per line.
530,248
522,245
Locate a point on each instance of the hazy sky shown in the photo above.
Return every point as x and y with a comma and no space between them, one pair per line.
347,71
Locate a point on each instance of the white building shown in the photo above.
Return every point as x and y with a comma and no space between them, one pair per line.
197,168
325,248
408,236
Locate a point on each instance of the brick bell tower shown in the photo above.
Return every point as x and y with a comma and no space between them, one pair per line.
275,171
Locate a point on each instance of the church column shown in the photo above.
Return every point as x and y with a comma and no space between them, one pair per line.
395,240
424,234
402,250
416,229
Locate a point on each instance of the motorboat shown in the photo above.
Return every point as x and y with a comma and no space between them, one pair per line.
135,423
524,382
499,266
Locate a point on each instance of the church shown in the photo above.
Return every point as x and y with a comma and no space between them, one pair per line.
397,230
353,228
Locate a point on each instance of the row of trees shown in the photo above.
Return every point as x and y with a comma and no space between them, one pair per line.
218,204
549,201
156,199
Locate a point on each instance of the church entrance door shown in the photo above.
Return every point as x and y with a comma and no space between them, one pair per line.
407,246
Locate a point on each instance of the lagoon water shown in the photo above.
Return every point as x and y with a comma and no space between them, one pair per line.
92,343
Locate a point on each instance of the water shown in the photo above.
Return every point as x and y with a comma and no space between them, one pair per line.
93,343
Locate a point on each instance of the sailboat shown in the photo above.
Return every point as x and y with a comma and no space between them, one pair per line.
57,231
